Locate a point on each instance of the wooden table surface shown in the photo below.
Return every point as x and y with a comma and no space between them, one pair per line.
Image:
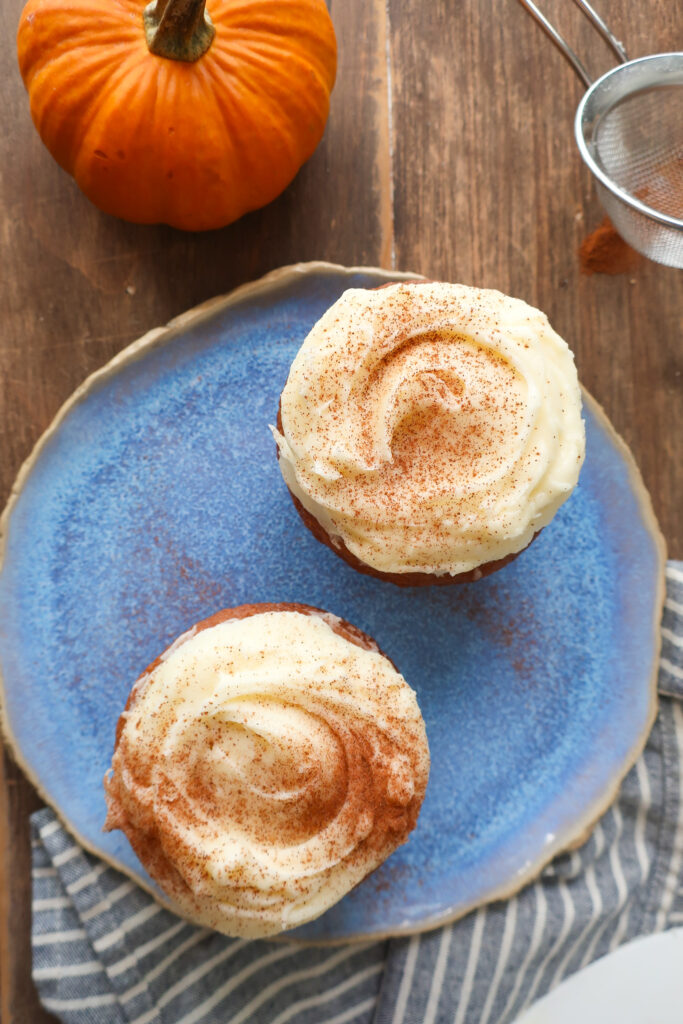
449,151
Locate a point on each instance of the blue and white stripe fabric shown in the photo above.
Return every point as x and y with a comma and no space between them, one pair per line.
105,953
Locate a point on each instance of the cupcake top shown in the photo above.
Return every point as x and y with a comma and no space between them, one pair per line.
265,764
431,427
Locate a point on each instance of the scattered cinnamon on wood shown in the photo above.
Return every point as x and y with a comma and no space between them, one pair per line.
604,251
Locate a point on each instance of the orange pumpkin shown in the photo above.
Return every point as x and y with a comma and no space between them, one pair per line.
175,114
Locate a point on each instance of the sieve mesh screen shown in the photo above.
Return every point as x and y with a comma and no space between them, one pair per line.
638,143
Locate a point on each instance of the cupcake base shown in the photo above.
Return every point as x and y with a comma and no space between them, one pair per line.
401,579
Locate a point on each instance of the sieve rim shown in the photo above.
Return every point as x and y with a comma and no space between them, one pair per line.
667,220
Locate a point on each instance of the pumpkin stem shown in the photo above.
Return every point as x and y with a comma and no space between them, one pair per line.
178,29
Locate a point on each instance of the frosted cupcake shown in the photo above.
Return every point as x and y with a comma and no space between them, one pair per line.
428,431
267,762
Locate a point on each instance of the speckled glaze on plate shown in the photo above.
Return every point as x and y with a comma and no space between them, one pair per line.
155,499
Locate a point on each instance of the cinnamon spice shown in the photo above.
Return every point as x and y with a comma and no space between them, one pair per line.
405,419
604,251
180,781
664,190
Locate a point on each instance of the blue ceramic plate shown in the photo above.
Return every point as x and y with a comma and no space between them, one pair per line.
155,499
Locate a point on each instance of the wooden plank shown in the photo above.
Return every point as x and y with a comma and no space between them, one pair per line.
18,999
77,286
490,190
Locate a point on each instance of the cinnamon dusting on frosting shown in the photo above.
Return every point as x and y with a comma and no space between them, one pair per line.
431,428
263,767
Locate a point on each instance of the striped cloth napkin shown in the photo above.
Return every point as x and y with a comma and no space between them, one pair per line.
105,953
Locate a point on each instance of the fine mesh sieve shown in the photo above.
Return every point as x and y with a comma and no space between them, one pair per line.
629,130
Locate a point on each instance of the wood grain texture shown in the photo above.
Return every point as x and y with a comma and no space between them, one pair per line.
449,151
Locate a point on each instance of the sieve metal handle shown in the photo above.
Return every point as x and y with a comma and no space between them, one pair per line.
565,48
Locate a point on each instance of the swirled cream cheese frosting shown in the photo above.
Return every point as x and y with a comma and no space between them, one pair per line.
266,763
430,428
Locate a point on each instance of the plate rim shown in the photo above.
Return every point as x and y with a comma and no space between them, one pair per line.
571,838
